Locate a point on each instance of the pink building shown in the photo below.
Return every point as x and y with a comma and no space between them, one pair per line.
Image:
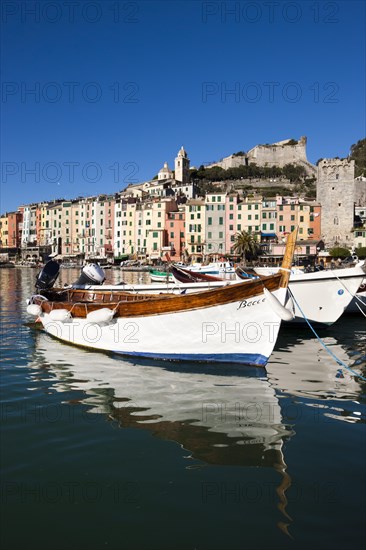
175,231
109,207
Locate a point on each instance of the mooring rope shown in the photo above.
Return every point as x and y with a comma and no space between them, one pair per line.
353,296
339,361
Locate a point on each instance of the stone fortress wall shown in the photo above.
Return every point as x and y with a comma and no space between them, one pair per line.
275,154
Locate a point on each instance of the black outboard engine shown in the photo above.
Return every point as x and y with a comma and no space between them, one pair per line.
91,274
47,276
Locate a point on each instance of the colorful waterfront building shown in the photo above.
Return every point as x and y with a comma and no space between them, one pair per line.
4,232
242,214
215,207
175,228
195,215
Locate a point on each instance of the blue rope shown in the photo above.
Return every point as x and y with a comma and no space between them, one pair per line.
339,361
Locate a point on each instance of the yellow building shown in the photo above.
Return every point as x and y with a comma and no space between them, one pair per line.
195,215
4,231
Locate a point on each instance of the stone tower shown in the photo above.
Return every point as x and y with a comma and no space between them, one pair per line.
182,166
335,191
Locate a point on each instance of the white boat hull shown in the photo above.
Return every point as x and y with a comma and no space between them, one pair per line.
239,332
322,296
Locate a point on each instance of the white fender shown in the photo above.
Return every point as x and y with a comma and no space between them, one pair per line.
34,309
100,316
277,307
61,315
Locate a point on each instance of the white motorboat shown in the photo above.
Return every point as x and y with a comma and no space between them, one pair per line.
322,296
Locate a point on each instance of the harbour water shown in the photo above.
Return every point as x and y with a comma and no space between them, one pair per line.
102,452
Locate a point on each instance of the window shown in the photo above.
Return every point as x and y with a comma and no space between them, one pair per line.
264,215
271,226
239,227
172,234
264,226
221,235
249,216
292,218
301,218
221,221
231,227
155,234
231,217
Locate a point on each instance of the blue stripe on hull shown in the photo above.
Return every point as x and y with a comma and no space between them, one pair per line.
252,359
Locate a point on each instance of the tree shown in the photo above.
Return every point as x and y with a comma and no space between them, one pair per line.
358,154
339,252
361,252
245,243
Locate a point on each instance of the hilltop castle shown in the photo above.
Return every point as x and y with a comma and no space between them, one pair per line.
288,151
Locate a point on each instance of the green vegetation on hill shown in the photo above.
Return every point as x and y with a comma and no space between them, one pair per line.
358,154
216,173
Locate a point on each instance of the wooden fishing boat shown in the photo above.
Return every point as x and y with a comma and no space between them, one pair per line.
236,323
186,276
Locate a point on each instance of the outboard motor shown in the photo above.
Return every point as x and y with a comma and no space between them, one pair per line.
91,274
47,276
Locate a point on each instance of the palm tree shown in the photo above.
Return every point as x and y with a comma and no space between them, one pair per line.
245,243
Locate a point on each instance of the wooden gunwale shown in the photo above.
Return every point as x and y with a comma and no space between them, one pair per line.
140,305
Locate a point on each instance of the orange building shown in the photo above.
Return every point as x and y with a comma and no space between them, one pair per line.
175,231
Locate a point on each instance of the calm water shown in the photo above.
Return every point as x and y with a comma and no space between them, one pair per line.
99,452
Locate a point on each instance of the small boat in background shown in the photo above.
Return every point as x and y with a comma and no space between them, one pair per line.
161,276
213,268
186,276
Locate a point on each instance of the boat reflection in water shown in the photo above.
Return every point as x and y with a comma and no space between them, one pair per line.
302,367
221,414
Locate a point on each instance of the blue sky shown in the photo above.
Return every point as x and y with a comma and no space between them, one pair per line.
118,87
